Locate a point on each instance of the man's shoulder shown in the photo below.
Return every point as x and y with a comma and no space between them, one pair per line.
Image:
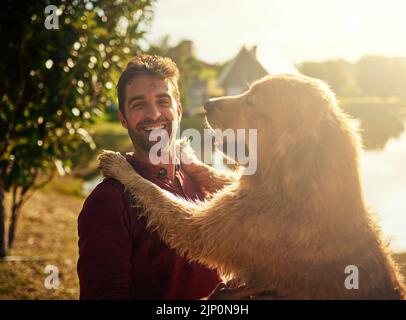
108,191
104,203
110,185
107,187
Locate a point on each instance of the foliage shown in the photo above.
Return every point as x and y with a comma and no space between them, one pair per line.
53,82
337,73
381,76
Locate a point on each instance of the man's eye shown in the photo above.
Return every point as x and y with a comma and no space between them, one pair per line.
137,106
164,103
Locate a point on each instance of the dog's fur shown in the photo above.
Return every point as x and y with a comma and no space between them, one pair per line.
295,225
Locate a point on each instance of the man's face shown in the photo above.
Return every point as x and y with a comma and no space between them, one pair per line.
149,104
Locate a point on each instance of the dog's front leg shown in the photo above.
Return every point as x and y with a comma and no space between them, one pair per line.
206,177
209,180
170,215
199,230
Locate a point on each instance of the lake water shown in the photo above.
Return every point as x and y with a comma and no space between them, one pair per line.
384,182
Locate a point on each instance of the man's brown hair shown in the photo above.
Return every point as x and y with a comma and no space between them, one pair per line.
153,65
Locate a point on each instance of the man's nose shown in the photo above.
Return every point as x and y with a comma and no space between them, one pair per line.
153,112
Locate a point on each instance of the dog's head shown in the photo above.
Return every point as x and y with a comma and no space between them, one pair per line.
284,108
301,132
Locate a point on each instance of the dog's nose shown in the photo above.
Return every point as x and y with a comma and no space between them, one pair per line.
209,104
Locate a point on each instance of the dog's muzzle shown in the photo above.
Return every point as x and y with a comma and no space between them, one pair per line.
209,105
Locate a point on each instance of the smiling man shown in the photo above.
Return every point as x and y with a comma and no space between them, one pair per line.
119,258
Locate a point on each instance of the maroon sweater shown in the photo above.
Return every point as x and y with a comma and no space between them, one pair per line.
120,259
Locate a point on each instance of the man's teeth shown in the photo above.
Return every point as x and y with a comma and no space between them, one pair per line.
154,127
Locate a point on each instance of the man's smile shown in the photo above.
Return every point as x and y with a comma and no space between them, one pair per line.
147,128
152,126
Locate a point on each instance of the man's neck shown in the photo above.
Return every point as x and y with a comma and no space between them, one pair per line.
143,156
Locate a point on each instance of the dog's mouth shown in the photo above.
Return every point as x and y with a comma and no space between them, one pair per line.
210,122
207,123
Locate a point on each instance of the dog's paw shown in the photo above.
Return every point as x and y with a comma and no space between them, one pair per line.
113,164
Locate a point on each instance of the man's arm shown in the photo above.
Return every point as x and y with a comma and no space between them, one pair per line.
104,266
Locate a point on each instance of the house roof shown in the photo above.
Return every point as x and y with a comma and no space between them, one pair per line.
247,67
244,68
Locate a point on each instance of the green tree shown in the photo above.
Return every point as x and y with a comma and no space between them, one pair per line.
337,73
53,82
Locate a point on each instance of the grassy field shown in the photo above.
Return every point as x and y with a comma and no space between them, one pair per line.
46,235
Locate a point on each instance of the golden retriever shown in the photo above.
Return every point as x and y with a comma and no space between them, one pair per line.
296,224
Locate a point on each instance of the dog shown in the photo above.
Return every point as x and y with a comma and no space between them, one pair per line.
294,226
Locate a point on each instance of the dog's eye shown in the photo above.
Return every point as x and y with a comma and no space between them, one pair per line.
249,102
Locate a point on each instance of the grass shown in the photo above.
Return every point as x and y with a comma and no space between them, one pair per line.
195,122
106,135
46,235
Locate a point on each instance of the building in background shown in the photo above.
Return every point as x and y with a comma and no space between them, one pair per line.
241,71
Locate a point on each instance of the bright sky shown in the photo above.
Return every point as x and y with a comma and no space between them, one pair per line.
300,30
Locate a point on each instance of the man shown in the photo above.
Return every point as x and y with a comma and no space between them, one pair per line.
119,258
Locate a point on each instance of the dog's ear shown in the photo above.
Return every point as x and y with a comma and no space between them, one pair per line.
322,162
301,170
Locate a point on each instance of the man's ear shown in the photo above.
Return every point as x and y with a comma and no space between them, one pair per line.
122,119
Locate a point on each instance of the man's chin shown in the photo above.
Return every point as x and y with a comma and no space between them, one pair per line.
143,144
146,145
141,139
